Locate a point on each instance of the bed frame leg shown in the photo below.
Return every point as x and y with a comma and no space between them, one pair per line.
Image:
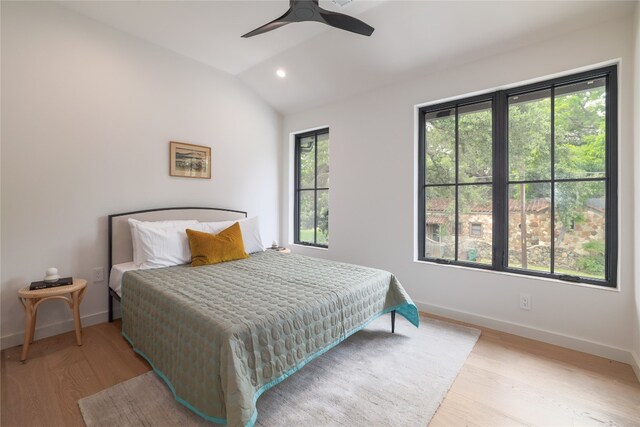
393,322
110,308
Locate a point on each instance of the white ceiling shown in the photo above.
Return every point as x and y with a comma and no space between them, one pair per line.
325,64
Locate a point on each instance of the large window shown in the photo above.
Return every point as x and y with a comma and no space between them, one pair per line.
311,212
532,172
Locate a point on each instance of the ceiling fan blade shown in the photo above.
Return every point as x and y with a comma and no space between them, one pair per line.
276,23
346,22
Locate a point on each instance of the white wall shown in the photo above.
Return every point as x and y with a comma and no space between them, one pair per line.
87,116
372,197
636,121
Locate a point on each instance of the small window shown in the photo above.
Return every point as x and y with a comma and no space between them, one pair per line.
311,209
433,232
475,229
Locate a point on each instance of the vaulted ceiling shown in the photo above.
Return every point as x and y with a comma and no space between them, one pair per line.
324,64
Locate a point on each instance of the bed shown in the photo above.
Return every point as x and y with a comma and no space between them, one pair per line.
221,335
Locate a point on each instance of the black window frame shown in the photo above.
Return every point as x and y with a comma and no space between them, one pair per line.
499,103
296,183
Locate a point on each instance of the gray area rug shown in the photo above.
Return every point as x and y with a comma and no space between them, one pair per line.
374,378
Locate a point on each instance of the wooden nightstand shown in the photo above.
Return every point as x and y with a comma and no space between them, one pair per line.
32,299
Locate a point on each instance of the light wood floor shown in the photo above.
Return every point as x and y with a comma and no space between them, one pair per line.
506,381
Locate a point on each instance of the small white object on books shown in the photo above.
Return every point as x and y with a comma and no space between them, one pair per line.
274,244
51,275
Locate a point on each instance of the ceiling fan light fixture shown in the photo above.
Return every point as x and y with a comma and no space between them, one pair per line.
310,10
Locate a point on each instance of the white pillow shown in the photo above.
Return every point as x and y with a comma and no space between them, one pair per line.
160,243
214,227
250,228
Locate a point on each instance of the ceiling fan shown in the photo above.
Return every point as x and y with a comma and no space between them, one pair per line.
309,10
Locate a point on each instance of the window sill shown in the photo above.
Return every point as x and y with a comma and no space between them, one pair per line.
297,245
520,276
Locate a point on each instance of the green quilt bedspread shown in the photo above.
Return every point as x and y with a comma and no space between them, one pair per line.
221,335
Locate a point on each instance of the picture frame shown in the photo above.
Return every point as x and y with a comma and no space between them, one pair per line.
189,160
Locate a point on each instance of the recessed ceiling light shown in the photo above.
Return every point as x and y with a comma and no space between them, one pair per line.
281,73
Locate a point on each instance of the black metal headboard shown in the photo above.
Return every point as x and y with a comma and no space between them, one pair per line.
120,246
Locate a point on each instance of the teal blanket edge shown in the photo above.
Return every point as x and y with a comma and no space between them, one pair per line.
408,310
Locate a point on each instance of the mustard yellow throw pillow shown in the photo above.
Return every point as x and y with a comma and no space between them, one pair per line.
214,248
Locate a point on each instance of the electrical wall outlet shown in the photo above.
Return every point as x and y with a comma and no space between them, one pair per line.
525,301
98,274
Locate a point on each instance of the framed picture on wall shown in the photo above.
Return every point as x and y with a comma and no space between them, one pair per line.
189,160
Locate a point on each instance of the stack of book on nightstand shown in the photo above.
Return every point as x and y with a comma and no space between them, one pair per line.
43,285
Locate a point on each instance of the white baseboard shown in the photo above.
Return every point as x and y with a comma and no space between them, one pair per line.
15,339
635,363
578,344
